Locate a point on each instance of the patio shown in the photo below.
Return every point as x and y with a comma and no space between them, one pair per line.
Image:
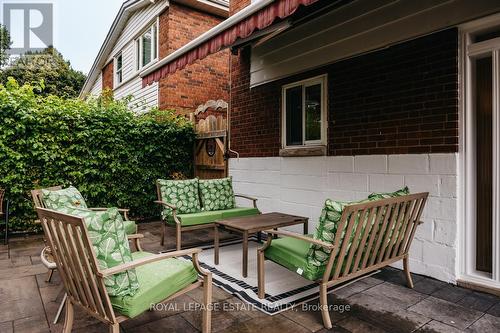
380,303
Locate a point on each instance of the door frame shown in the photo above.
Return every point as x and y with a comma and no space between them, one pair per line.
466,181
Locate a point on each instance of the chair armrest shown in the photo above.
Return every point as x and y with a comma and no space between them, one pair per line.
135,236
147,260
301,237
254,200
166,204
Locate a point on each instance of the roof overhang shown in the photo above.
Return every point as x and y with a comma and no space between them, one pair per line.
251,19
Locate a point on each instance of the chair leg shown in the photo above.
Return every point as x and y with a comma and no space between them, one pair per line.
68,322
207,302
260,274
49,275
114,328
178,236
137,244
406,267
323,300
163,233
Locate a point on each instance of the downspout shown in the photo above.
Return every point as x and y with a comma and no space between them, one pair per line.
229,109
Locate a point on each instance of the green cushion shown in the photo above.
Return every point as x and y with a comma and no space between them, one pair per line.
107,234
181,193
239,211
68,197
290,253
217,194
196,218
386,195
205,217
130,227
157,281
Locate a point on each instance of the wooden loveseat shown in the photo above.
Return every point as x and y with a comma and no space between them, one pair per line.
196,204
374,233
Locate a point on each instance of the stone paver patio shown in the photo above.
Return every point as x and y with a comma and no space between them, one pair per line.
380,303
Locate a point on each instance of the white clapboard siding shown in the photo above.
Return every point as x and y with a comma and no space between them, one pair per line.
142,98
97,87
355,28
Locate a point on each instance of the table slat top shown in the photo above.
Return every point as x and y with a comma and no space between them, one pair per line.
262,221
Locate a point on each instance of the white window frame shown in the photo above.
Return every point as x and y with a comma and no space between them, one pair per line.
118,71
323,81
138,46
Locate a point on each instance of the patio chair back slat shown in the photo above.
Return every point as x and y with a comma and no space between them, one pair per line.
76,262
390,224
38,195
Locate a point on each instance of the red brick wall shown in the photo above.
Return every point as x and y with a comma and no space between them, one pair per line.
107,76
207,78
403,99
237,5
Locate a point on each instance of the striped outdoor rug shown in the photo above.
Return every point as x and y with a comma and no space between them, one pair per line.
284,288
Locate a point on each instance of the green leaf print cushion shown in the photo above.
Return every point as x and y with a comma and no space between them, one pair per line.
68,197
217,194
181,193
109,240
386,195
326,230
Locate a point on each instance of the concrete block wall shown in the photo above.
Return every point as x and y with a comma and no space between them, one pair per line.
300,186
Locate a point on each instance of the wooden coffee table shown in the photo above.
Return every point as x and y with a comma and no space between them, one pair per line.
247,225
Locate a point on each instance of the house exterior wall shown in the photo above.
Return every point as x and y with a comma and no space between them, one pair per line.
393,121
197,83
107,77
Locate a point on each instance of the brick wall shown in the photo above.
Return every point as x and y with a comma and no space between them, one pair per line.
107,76
399,100
237,5
207,78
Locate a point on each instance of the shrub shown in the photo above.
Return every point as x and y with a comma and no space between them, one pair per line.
111,155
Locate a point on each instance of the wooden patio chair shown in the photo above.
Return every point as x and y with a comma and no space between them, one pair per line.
363,248
84,280
4,214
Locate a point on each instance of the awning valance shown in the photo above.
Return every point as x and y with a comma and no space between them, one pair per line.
263,18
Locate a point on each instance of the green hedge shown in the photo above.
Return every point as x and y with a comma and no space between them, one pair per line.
111,155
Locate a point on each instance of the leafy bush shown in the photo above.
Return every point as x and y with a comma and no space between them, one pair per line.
111,155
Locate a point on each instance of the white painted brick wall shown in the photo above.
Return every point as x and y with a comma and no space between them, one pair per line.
300,185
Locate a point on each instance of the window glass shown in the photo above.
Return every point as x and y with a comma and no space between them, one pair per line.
119,65
154,42
294,116
146,48
313,113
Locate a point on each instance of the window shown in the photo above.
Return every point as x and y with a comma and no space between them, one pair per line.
304,120
147,46
119,67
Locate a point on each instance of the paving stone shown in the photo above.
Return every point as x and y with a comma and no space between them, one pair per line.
170,324
31,325
217,294
486,324
396,276
97,327
357,287
385,313
428,285
7,327
403,296
435,326
479,301
270,324
16,272
19,288
494,310
20,308
451,293
15,261
356,325
446,312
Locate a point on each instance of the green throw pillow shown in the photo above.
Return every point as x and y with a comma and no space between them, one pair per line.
217,194
326,230
386,195
107,234
68,197
181,193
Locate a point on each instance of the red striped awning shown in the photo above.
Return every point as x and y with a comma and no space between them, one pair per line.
261,19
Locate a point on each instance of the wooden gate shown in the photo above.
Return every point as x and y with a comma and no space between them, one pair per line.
211,140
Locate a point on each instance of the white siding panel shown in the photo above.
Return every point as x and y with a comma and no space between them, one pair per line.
142,98
360,26
97,87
